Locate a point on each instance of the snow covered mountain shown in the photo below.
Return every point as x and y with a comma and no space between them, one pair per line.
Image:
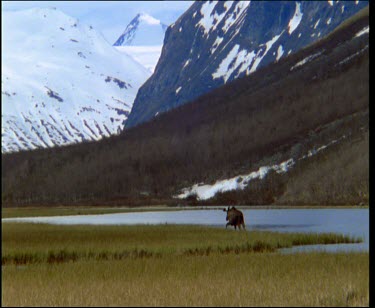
142,30
62,82
215,42
143,40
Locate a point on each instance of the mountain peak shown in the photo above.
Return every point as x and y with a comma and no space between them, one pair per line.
148,19
143,30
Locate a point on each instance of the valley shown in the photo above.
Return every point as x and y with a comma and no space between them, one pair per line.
286,110
122,159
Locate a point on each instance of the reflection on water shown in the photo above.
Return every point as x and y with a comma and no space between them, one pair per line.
360,247
352,222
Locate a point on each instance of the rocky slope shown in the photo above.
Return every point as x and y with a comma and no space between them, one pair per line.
215,42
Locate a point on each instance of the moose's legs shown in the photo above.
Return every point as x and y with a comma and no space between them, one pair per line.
235,226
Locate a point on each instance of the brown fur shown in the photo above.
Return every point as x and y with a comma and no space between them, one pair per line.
234,218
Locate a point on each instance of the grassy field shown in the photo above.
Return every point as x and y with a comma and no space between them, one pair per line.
39,243
47,265
215,280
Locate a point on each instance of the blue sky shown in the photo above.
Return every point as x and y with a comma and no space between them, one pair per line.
109,17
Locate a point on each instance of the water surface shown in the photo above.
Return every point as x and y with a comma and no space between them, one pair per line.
352,222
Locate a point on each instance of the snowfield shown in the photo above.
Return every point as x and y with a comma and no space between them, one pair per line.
148,56
62,82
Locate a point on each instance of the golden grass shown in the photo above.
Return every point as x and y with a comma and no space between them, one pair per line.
179,266
215,280
32,243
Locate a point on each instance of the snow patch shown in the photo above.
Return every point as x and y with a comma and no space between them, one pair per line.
216,44
280,52
206,11
204,192
260,57
210,19
316,24
224,69
241,6
296,19
363,31
305,60
353,55
186,63
314,151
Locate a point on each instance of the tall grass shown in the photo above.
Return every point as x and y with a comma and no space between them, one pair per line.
214,280
169,265
42,243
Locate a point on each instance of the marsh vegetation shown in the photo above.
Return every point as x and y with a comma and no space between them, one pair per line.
173,265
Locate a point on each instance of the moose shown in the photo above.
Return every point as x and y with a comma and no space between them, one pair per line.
234,218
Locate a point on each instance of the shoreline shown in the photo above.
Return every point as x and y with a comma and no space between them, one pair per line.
7,212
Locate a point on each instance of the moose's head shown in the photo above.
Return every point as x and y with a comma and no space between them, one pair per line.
229,211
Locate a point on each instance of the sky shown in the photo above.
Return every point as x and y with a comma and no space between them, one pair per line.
108,17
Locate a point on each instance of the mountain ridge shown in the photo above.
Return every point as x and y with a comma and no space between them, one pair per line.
216,42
